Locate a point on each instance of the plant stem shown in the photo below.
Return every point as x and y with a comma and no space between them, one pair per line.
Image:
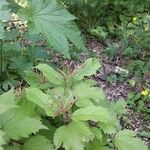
1,57
17,142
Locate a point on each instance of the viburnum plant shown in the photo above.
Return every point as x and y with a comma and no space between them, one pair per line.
62,110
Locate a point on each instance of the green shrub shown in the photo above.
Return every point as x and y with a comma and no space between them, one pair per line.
69,112
23,27
105,13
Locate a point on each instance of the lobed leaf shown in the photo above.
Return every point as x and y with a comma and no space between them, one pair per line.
38,143
54,22
97,132
72,136
7,101
125,140
96,145
16,125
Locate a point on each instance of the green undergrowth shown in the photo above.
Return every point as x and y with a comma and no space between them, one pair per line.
63,110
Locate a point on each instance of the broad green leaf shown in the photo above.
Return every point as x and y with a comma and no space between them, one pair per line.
16,125
119,107
7,101
31,78
109,128
58,91
29,108
72,136
89,67
11,35
41,99
94,113
54,22
125,140
5,12
84,102
11,48
8,97
49,135
97,132
52,75
21,63
96,145
38,143
84,91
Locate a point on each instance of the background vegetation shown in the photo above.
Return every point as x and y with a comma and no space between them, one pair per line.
58,60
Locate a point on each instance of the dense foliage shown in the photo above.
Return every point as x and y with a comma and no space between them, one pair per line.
106,13
45,106
126,20
69,111
20,49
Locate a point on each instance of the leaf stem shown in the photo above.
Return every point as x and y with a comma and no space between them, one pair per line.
1,57
17,142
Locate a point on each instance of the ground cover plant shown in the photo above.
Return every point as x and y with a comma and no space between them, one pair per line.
73,109
58,92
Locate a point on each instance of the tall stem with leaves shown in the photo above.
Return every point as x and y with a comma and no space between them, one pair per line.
1,56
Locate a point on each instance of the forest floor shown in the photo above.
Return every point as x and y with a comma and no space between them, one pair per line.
117,90
113,90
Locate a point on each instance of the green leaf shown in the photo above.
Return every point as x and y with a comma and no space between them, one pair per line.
119,107
52,75
11,35
5,12
125,140
38,143
7,101
88,68
97,132
20,63
14,5
1,139
96,145
57,92
84,102
52,128
54,22
1,30
72,136
94,113
41,99
16,125
32,78
13,147
29,108
84,91
109,128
